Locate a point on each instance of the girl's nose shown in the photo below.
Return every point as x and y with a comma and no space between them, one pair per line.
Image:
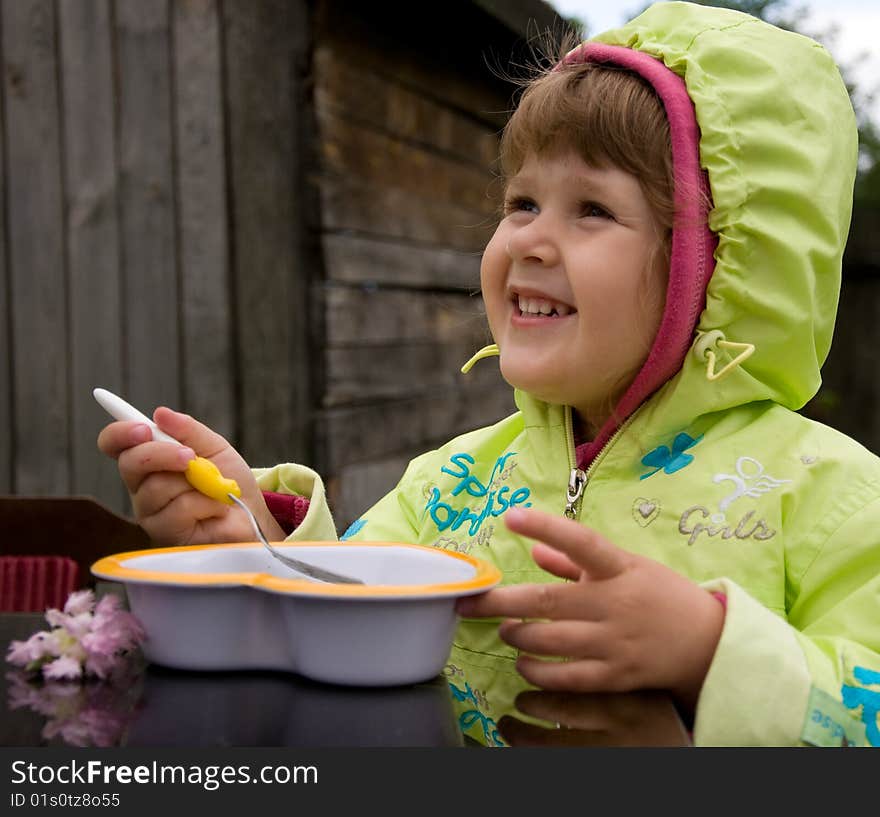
533,243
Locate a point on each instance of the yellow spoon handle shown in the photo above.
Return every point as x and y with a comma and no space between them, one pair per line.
206,478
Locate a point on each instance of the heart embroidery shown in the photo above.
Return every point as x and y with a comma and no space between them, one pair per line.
645,511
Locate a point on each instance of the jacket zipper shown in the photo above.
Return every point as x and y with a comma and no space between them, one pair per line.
577,477
577,481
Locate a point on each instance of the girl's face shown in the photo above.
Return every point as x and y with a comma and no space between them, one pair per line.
574,283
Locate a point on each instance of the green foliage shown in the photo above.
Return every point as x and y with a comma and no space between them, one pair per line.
868,180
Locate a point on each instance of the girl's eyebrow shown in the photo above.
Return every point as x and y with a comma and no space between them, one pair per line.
579,183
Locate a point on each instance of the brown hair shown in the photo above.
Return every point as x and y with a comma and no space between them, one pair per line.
607,116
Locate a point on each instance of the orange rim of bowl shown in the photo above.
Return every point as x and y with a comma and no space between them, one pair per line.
114,569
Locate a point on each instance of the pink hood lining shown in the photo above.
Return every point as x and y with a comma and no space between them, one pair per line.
693,243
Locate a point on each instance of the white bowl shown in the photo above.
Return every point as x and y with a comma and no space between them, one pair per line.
227,607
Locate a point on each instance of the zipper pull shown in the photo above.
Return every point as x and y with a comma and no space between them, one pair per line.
577,481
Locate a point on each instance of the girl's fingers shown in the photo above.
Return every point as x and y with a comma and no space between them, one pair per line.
117,437
189,431
157,491
502,602
553,600
581,675
177,520
575,639
555,562
140,462
585,547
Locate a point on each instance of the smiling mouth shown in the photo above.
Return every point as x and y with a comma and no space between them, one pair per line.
541,307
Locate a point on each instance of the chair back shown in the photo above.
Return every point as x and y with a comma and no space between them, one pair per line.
48,545
31,584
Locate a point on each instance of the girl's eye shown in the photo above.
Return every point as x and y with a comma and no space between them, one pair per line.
589,209
519,204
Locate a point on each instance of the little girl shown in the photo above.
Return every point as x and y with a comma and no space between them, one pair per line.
661,290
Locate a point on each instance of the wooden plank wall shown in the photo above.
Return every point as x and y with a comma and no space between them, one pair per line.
35,242
148,195
6,406
267,213
207,344
96,353
408,140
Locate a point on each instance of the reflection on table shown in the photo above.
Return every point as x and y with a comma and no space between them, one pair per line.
610,719
154,706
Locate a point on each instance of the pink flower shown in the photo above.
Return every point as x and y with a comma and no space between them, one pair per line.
80,601
37,647
107,606
86,639
114,628
63,667
77,625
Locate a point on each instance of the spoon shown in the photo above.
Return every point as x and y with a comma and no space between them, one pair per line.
206,478
313,572
201,473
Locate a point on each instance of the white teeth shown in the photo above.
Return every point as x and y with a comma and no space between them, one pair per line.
540,306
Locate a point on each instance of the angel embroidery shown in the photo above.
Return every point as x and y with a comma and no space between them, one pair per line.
749,480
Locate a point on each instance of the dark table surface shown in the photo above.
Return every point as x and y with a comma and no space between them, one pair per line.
159,707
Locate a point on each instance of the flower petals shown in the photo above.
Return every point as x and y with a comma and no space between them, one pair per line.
80,601
37,647
63,667
87,639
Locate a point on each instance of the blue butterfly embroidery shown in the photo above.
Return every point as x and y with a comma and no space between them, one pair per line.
670,461
867,699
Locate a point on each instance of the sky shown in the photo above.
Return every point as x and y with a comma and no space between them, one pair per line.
858,22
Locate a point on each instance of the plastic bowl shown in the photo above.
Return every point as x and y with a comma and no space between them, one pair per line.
231,607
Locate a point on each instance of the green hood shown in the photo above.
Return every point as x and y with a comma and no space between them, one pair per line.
778,141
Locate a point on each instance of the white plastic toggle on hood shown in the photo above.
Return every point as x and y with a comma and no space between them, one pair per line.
707,342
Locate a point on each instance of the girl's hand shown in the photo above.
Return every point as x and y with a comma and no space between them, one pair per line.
165,505
621,622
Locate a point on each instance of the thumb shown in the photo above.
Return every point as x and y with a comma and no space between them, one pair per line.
189,431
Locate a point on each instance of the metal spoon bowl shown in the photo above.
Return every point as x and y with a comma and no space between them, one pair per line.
313,572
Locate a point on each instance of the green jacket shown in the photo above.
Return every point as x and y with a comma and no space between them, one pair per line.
718,478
